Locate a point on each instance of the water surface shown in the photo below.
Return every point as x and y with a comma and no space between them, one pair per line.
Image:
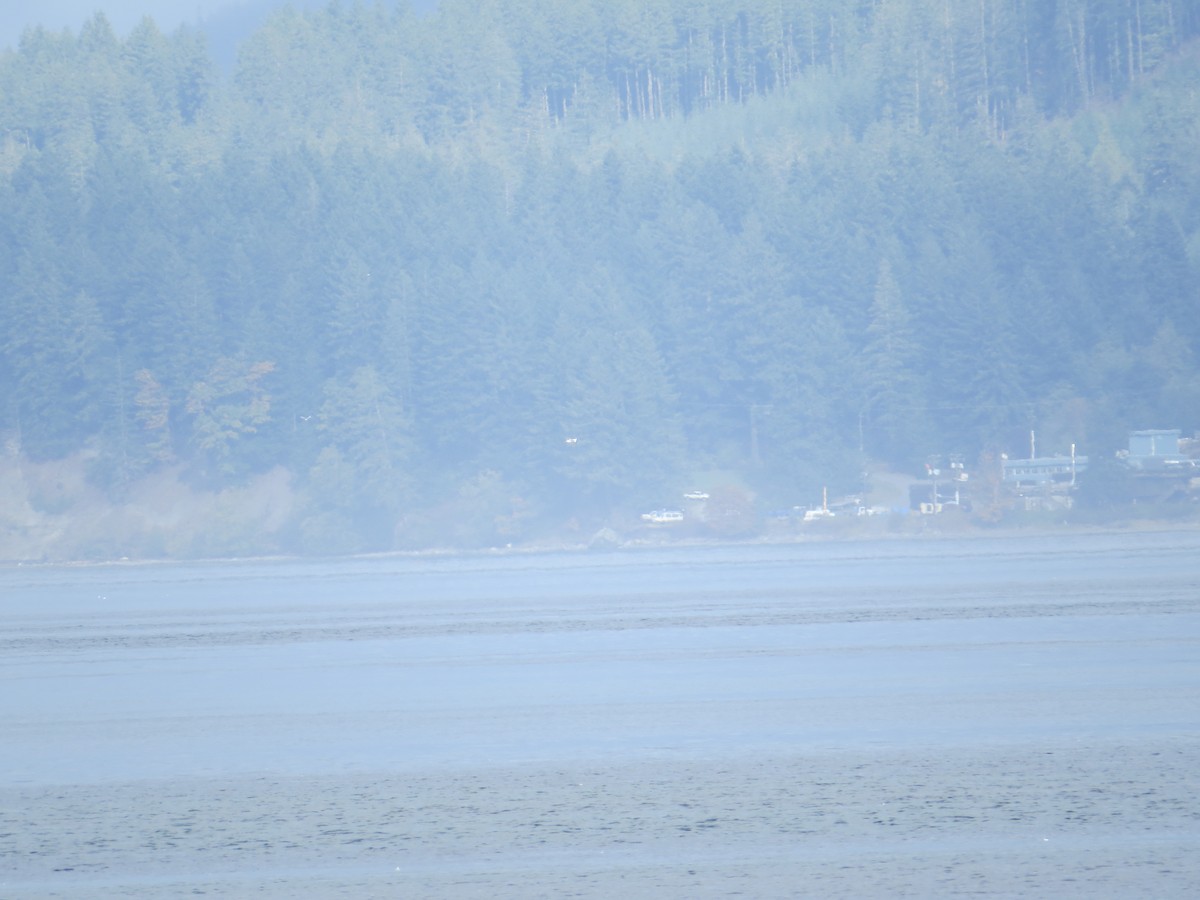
1002,717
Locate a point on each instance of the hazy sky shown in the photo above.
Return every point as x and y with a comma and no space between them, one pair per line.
16,16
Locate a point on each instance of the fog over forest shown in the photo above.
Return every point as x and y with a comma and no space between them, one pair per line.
502,272
223,21
55,15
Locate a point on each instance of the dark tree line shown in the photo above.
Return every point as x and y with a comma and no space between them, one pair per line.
550,259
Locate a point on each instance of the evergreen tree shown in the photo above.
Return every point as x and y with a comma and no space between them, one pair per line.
363,471
620,436
895,414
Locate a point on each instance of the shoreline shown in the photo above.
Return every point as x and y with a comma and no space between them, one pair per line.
635,545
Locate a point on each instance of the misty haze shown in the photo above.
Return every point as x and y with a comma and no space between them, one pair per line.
534,448
1007,717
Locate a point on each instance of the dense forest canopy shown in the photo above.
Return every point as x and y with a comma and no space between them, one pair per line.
526,259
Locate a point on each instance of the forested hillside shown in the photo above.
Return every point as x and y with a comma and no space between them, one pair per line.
525,262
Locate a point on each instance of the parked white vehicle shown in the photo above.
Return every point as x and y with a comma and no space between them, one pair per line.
663,516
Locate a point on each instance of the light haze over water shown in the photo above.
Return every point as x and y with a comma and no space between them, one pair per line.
999,717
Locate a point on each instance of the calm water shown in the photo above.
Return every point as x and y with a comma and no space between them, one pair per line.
1015,717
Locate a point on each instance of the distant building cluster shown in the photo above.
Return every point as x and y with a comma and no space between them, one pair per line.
1162,462
1162,452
